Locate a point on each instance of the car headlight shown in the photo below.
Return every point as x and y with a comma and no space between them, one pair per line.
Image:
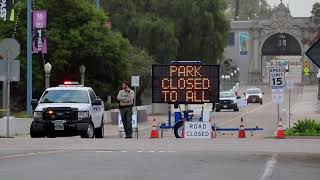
37,115
83,115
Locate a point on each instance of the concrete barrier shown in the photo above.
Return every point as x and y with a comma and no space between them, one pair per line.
111,116
17,126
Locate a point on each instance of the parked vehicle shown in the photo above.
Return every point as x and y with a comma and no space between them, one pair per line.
228,100
68,109
254,95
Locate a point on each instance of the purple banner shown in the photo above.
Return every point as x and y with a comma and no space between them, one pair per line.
39,40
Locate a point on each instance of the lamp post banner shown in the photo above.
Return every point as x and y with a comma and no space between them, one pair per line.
39,40
6,10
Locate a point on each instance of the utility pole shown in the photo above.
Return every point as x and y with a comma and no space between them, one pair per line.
97,4
29,56
236,14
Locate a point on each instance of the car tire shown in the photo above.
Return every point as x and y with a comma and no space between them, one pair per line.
36,134
51,135
217,110
236,110
178,129
99,132
89,133
261,102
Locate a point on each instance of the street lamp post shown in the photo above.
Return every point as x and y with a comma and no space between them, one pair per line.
231,79
82,70
47,70
227,77
222,80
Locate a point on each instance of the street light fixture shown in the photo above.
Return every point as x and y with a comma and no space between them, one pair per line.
47,70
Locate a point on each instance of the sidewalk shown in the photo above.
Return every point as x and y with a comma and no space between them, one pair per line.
144,128
308,105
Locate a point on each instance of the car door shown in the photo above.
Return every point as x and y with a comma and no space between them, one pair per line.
100,110
95,110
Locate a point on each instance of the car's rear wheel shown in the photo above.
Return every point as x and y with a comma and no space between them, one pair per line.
89,133
217,110
99,132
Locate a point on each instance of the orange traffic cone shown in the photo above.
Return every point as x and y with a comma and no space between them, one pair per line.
154,131
242,131
280,130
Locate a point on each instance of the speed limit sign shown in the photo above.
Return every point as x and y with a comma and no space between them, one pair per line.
277,77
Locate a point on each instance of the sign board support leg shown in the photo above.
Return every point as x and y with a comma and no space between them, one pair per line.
135,96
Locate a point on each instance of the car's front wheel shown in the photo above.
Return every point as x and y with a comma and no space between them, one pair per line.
36,134
99,132
89,133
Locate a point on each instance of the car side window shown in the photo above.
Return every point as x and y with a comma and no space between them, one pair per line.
92,96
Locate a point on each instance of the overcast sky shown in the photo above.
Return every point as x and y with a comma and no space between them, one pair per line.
298,8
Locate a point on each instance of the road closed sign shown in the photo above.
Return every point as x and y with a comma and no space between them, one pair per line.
197,130
277,77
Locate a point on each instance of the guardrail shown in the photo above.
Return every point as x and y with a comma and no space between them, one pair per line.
237,129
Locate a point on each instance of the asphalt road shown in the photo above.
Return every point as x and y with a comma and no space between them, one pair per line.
158,165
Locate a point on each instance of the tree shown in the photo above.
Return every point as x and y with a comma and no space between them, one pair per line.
77,34
316,13
250,9
315,16
172,30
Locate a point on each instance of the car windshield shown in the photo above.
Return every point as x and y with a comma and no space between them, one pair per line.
227,95
65,96
253,91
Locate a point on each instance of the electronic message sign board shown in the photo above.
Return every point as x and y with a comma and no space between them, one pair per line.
185,83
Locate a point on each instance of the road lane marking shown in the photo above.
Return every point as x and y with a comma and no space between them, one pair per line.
104,151
243,114
32,154
269,167
140,151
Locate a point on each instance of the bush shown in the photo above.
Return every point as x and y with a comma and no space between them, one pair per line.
109,106
307,127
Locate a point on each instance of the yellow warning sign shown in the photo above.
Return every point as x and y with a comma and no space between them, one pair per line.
306,71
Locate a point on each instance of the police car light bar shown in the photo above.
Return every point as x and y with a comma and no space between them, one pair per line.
70,83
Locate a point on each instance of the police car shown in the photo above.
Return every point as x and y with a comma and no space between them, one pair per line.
69,109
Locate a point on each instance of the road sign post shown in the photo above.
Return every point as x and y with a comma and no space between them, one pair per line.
10,49
277,82
135,82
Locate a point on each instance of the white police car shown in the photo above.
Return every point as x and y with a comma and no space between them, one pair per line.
68,109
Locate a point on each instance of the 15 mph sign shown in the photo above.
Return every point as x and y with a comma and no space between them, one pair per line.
277,77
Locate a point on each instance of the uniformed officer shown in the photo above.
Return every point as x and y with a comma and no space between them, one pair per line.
126,98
